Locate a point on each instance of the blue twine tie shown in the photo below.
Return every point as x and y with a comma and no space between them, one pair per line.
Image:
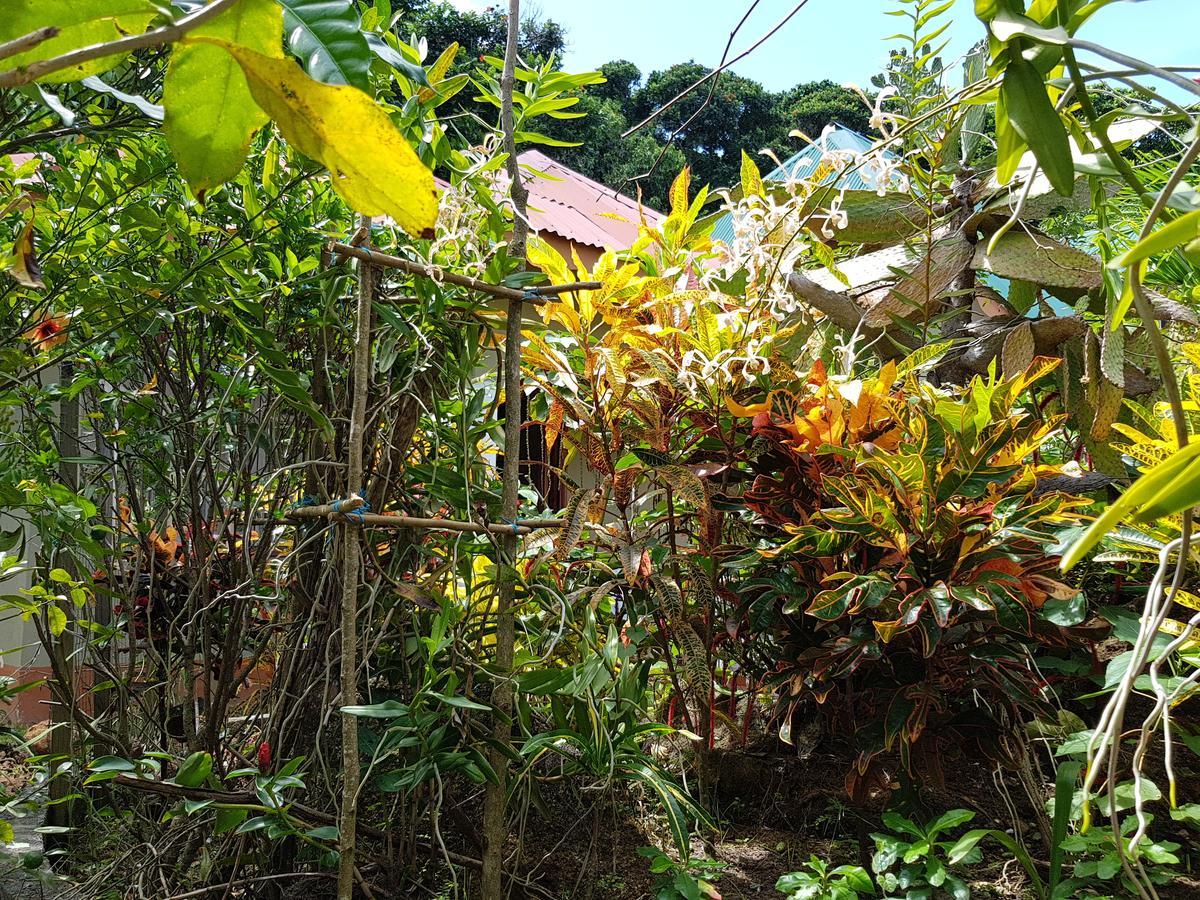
358,514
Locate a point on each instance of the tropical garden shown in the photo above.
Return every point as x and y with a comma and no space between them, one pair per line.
360,541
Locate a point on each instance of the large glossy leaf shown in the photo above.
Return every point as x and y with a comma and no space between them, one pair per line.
81,23
194,770
1037,122
325,34
210,114
373,167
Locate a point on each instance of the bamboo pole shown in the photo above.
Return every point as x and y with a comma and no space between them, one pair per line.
351,562
379,520
535,295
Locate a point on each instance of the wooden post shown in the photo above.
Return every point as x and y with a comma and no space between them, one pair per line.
351,562
495,809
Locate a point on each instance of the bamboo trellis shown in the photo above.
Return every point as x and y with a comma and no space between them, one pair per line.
351,512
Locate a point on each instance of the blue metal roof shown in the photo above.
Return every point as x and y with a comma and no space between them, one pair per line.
804,163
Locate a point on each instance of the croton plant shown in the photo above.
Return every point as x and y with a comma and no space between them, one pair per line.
912,579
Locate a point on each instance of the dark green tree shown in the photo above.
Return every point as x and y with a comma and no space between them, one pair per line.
812,105
712,131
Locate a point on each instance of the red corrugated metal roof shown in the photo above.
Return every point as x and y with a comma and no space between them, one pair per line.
575,207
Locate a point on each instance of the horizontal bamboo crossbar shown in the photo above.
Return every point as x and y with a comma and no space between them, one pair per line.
535,295
523,526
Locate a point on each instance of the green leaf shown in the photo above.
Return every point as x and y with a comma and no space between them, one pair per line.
228,819
255,824
324,833
210,115
6,832
57,619
396,59
462,702
1064,789
1037,122
81,23
536,137
325,34
388,709
1007,26
1009,145
112,764
1182,231
372,166
195,770
1066,613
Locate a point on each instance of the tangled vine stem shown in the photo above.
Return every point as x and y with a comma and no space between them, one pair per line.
1104,747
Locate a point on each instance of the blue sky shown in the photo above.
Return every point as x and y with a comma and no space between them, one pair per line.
842,40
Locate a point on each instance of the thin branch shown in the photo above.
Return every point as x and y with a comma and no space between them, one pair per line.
725,64
1133,62
168,34
715,76
27,41
534,295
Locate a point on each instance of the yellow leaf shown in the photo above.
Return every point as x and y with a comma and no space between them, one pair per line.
679,192
887,375
25,267
747,412
887,630
752,183
1176,628
1188,599
437,72
373,167
57,620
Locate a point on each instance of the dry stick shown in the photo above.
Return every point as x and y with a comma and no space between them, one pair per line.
386,261
27,41
212,888
495,807
351,559
166,35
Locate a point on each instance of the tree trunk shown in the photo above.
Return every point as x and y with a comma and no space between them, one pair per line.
495,808
351,562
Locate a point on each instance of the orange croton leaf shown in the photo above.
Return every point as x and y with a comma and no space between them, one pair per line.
48,333
1033,588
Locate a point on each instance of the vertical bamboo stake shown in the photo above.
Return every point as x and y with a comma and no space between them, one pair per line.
495,807
62,737
351,561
